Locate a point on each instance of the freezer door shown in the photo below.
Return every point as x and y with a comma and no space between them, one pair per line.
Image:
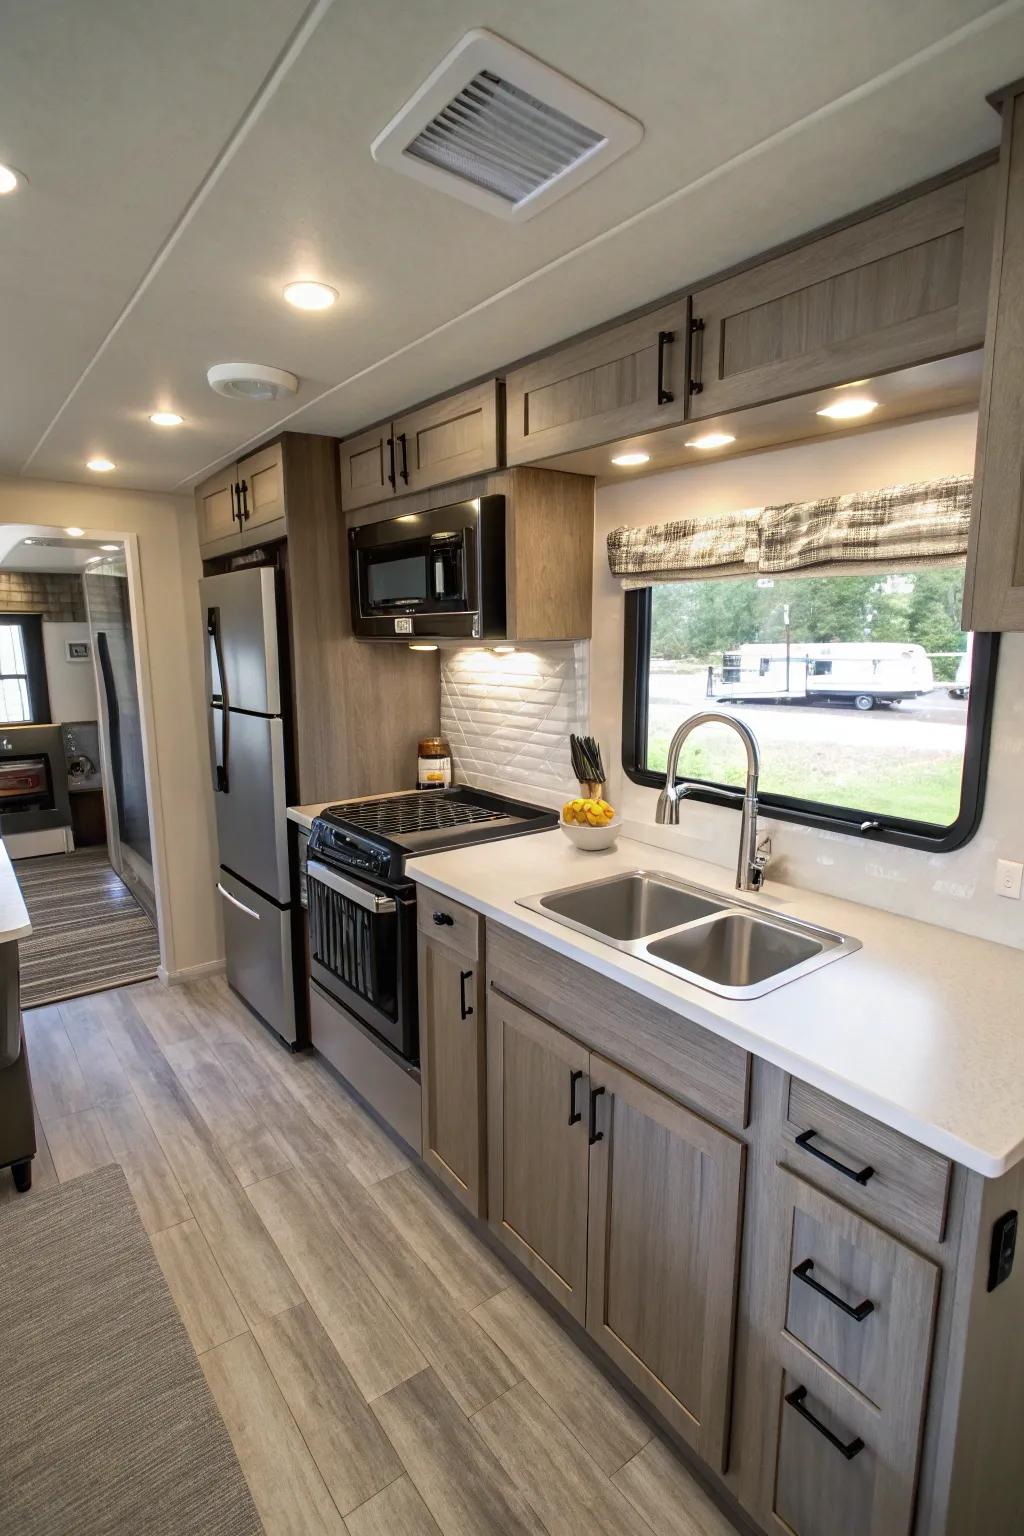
240,617
252,826
258,946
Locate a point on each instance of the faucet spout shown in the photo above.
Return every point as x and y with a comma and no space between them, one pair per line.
750,864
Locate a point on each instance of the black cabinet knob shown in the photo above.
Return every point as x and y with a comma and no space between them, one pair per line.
444,919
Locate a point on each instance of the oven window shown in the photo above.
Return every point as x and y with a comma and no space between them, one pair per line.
396,581
23,694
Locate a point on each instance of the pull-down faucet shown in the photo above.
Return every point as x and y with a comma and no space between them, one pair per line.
750,864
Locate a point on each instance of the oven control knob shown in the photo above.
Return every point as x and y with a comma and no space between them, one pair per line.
444,920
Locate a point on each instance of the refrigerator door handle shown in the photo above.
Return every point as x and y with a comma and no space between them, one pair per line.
220,774
236,903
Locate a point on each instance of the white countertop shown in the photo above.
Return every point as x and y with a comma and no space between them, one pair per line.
303,815
14,923
922,1028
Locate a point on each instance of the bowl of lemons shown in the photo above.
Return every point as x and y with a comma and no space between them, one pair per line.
590,824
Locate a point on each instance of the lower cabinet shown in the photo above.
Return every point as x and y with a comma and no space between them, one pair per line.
626,1206
452,1045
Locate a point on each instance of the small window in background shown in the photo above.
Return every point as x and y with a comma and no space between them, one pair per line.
858,689
22,672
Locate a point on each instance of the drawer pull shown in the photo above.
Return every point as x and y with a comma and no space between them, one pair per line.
594,1134
574,1115
858,1313
443,919
858,1175
849,1449
665,339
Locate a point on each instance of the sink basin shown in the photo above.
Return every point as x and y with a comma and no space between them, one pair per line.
735,950
726,946
630,906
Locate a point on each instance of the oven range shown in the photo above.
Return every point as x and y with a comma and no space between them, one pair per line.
362,905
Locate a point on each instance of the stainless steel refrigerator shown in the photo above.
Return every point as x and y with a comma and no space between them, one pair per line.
248,749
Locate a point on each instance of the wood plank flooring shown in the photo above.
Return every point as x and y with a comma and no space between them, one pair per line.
378,1369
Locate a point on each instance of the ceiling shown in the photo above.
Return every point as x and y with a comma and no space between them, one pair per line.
26,547
179,175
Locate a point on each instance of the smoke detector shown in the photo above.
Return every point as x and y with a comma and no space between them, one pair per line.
497,128
251,381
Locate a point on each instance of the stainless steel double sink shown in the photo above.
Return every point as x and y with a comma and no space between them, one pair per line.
731,948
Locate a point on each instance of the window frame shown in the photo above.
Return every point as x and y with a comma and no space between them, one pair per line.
31,626
813,813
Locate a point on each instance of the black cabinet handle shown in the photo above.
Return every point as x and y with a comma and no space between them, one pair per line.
574,1115
404,471
595,1134
665,339
236,504
858,1313
696,356
858,1175
391,463
849,1449
444,919
466,1008
243,516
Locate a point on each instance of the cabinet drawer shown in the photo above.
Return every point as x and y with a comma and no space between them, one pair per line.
449,923
858,1300
819,1489
881,1172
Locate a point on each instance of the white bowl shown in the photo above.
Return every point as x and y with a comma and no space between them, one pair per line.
592,838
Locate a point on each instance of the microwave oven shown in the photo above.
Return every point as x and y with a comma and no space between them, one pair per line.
434,575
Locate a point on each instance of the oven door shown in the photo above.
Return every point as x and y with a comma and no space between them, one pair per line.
362,950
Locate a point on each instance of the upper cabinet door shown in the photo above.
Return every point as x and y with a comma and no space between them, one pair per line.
629,379
449,440
994,590
903,287
368,468
261,486
665,1196
217,509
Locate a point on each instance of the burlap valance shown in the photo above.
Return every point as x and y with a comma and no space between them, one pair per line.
901,525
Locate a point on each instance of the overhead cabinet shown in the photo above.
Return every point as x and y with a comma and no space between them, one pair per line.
994,589
626,1206
243,504
627,379
902,287
429,446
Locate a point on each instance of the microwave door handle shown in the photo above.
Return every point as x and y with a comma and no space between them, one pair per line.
220,759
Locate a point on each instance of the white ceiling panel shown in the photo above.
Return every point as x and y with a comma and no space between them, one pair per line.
760,123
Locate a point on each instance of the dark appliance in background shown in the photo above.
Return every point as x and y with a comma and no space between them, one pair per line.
33,779
252,764
362,905
431,575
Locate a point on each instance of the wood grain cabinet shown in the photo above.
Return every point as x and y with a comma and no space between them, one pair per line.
244,503
626,1206
452,1047
629,378
901,287
447,440
994,589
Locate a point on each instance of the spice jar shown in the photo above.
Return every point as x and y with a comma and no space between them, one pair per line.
434,763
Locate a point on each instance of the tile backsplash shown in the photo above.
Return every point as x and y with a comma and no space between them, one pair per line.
508,717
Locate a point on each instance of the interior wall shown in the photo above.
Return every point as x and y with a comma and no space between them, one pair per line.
170,569
954,890
70,684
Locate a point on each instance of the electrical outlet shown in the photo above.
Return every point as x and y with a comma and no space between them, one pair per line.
1008,878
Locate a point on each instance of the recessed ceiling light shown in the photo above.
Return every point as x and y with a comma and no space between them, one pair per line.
626,460
93,558
9,180
711,440
307,295
101,466
166,419
423,647
28,541
74,533
110,548
849,410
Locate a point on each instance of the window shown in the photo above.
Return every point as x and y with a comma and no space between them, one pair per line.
869,703
23,694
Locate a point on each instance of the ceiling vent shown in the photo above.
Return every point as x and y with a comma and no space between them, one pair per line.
499,129
251,381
